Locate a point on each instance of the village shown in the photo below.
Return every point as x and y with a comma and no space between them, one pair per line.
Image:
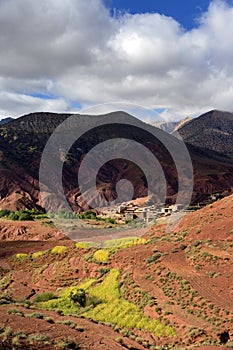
148,212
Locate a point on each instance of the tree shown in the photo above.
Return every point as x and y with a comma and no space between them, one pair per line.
79,296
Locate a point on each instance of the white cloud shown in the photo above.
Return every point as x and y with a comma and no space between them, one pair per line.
10,103
75,50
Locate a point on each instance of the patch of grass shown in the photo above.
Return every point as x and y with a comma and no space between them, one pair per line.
101,255
84,245
67,344
21,256
5,281
105,304
124,242
69,323
5,332
44,297
153,258
59,249
118,311
38,315
41,338
5,299
15,312
37,254
64,302
103,271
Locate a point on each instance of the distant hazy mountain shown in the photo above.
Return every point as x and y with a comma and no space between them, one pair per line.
5,120
212,130
170,127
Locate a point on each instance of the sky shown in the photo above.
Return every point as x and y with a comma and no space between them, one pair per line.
175,57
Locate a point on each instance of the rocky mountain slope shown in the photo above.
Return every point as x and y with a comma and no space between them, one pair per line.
170,127
212,130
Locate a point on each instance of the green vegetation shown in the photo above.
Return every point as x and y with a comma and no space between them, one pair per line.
4,213
88,215
5,298
37,254
104,303
38,315
44,297
59,249
65,302
15,312
116,310
110,221
84,245
22,215
78,296
21,256
124,242
153,258
101,255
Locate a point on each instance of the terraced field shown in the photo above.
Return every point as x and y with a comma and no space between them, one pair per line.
164,291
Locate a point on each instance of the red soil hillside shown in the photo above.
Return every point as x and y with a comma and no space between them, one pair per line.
28,231
214,221
182,279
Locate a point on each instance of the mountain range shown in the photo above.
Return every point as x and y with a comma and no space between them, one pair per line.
5,120
22,142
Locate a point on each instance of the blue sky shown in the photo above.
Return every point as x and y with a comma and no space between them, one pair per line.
185,12
67,55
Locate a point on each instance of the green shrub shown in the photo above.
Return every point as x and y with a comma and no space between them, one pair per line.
35,315
69,323
79,296
15,312
14,216
25,217
64,344
59,249
110,221
4,213
88,215
103,271
153,258
21,256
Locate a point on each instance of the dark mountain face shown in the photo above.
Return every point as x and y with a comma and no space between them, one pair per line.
212,130
6,120
23,140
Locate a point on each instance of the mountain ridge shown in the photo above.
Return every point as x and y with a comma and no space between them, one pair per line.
212,130
22,142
